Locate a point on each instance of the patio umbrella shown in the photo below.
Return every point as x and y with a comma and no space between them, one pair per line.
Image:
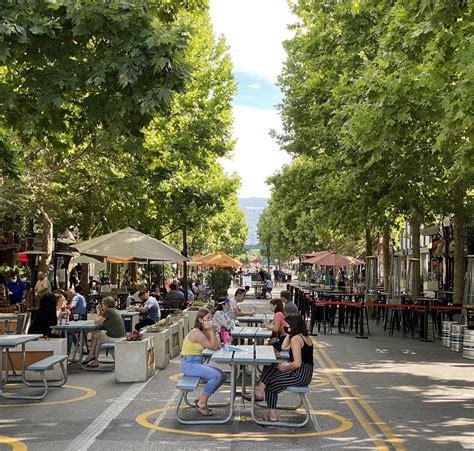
128,245
255,261
333,259
307,258
216,260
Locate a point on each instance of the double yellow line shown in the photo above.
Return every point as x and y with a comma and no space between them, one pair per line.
365,414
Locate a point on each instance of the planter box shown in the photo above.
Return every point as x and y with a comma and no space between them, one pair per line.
162,347
134,360
176,338
191,314
39,350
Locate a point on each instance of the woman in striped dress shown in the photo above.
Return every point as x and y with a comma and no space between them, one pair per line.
297,372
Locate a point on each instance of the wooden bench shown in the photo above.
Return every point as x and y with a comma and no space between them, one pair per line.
41,366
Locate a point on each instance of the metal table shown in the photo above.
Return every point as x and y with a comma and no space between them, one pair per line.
252,356
253,333
256,319
80,328
8,342
6,319
129,319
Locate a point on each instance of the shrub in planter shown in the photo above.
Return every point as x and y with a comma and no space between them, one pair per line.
219,281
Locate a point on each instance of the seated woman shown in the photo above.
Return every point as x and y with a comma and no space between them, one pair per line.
45,316
297,372
112,320
223,323
201,337
278,323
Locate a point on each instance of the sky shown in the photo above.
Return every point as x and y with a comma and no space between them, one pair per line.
254,31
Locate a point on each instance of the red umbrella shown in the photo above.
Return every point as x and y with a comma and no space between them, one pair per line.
309,257
255,261
333,259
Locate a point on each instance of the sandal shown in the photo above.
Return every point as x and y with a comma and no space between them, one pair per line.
92,364
88,360
202,410
248,397
269,420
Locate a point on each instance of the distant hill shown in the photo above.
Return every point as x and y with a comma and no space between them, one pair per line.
252,208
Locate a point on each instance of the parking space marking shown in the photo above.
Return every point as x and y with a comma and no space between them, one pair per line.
333,371
88,393
13,442
345,424
88,436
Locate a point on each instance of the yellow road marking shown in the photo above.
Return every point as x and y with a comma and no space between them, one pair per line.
142,420
88,393
392,438
357,412
15,444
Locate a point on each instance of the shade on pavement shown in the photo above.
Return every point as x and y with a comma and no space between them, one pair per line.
129,245
216,260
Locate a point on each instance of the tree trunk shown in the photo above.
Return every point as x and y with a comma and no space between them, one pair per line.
134,273
369,244
113,266
415,224
386,257
459,220
47,242
84,283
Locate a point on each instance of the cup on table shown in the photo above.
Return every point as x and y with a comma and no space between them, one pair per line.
75,316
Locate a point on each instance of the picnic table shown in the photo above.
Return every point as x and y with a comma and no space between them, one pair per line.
256,319
253,356
254,333
130,319
80,330
7,319
8,342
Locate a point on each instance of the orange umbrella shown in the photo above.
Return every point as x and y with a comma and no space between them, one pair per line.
216,260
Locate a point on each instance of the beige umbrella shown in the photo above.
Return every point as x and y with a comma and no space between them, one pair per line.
129,245
333,259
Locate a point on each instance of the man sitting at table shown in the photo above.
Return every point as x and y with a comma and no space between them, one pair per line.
174,296
111,319
151,309
77,303
232,308
290,308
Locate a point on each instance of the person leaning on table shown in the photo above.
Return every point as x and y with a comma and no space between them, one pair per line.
111,319
200,337
298,371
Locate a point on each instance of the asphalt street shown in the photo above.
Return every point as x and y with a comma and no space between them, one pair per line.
380,393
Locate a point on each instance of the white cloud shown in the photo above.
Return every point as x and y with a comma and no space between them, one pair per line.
255,86
257,155
254,30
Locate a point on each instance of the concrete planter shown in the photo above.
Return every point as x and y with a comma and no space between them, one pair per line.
185,325
134,360
176,338
39,350
162,345
191,314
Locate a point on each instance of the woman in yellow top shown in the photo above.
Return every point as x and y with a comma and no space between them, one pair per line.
201,337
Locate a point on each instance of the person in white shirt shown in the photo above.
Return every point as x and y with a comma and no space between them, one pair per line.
151,309
233,309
